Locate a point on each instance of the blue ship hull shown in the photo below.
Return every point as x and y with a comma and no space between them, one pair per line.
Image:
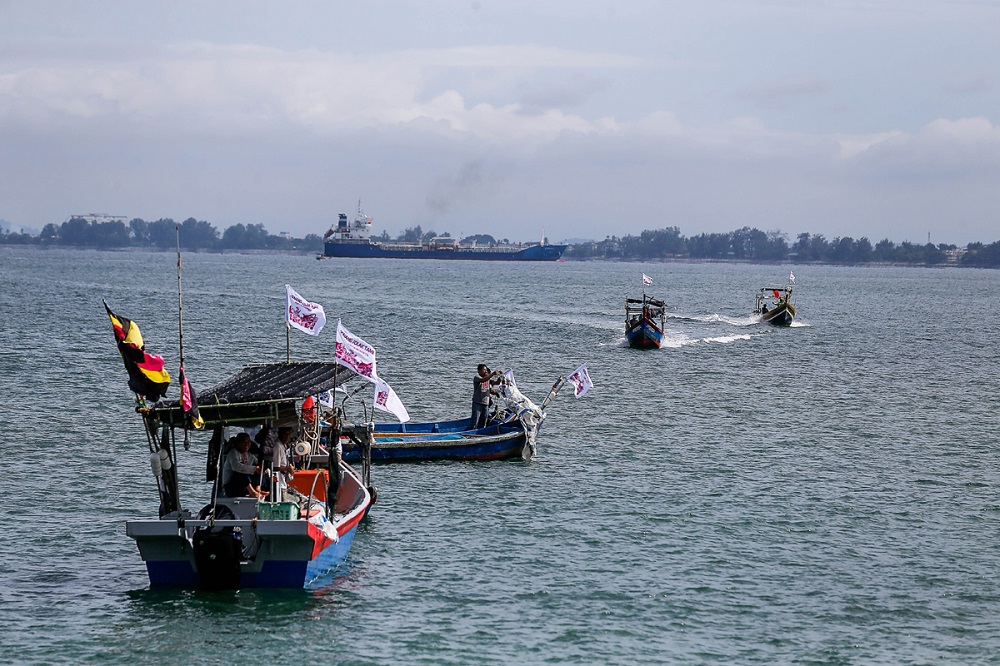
425,442
380,251
645,335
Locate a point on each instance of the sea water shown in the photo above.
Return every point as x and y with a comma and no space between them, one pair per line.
825,493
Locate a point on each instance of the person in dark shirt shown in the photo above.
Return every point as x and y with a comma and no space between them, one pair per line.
481,394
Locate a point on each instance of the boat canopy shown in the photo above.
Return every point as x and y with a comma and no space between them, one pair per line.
258,392
649,301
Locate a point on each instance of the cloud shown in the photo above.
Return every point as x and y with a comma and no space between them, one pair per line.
782,94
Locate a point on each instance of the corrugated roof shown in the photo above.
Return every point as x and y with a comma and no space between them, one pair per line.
259,392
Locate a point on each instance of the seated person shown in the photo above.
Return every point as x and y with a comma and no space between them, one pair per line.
240,469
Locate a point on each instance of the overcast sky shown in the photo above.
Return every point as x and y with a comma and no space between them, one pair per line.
582,118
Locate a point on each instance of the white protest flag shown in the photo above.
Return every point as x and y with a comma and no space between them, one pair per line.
791,276
303,315
387,400
355,353
580,379
646,280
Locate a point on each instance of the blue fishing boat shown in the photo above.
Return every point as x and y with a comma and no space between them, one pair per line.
510,433
645,319
354,240
289,535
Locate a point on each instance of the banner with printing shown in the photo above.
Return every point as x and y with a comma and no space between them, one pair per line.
580,379
387,400
355,353
303,315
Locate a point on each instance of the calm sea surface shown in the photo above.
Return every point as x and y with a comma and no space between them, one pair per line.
828,493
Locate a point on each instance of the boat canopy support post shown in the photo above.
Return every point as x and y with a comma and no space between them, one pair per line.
333,485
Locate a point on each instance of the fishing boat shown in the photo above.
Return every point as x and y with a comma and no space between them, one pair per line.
645,319
510,433
354,239
774,306
287,537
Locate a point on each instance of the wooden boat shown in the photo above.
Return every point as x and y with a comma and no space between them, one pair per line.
774,305
240,542
497,441
510,433
645,319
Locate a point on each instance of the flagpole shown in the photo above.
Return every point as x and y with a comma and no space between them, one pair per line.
288,340
180,332
180,300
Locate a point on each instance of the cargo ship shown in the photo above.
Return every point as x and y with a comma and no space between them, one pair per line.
353,239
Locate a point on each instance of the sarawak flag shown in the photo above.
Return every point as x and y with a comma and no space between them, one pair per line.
189,402
146,374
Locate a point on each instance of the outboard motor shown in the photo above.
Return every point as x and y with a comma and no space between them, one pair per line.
217,554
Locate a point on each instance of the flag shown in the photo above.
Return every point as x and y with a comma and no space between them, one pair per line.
146,374
303,315
791,276
580,379
189,402
387,400
646,280
326,398
355,353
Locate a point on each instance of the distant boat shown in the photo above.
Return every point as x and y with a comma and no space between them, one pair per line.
354,240
774,305
645,319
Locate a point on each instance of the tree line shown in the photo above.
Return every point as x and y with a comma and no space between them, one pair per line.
161,234
751,244
746,244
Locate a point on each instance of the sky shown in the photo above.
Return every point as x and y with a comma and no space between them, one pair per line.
574,119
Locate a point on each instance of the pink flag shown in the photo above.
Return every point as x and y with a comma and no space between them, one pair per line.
580,379
387,400
303,315
355,353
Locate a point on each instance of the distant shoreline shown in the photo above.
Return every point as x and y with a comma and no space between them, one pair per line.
660,260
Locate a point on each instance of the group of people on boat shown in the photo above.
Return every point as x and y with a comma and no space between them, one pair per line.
252,463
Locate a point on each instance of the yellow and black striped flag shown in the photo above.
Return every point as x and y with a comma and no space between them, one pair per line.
146,374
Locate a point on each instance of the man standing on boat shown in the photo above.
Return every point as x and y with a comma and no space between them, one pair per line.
481,394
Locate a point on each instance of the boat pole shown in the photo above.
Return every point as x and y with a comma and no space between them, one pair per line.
288,341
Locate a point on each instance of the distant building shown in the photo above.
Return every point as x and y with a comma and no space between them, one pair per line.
954,256
99,218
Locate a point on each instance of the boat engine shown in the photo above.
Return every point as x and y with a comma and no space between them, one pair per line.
217,555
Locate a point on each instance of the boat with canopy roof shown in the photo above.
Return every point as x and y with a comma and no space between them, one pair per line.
774,305
297,529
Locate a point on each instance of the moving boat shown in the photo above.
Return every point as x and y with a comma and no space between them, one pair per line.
289,537
510,433
774,305
645,319
354,240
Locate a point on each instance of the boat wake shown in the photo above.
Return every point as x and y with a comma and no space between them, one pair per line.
678,341
716,318
675,340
